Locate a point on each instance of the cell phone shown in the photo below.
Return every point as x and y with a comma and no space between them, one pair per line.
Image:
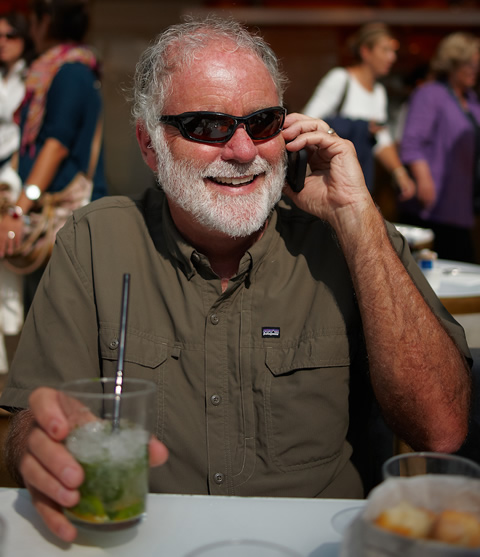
297,169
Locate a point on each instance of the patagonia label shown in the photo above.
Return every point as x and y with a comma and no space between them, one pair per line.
270,332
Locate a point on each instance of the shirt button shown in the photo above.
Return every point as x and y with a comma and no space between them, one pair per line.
114,344
195,257
215,400
219,478
214,319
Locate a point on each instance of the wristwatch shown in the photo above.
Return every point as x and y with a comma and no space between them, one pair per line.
32,191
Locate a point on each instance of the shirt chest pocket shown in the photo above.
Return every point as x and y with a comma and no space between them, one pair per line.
306,401
145,358
143,353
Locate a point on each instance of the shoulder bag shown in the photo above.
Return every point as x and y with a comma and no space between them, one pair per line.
50,213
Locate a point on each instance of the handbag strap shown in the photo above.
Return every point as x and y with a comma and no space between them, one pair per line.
344,95
95,148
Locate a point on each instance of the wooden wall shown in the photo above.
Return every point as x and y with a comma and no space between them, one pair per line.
309,42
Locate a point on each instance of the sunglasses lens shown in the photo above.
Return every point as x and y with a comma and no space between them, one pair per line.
208,127
265,124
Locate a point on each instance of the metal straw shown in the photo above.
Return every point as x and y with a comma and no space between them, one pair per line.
121,352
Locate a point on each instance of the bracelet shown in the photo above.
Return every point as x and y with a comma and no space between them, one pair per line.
15,212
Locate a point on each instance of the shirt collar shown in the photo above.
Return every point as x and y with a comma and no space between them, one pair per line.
165,235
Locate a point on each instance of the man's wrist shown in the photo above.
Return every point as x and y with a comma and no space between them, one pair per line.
361,231
20,427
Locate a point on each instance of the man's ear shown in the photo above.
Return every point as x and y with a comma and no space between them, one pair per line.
146,147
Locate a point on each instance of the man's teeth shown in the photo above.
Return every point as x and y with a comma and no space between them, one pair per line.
235,181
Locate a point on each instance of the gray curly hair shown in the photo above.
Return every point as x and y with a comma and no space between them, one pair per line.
177,47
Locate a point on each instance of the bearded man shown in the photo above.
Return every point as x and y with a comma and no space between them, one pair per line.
253,315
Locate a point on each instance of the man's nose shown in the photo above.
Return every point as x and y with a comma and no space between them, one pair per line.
240,147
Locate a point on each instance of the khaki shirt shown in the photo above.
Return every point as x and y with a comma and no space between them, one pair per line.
252,383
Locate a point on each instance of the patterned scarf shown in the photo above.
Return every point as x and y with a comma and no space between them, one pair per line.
39,78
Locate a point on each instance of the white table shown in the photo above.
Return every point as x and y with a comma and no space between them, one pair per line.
457,285
177,524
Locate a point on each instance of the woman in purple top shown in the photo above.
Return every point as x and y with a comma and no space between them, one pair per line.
441,144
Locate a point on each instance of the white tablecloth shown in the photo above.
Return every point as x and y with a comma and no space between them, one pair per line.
177,524
453,279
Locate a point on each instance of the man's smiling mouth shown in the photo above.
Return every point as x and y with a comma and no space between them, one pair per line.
235,182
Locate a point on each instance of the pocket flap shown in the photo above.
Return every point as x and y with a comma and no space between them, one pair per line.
325,351
140,348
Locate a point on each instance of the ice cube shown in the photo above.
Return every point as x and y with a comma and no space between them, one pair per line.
96,441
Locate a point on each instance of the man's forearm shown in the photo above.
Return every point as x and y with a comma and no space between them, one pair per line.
419,376
20,426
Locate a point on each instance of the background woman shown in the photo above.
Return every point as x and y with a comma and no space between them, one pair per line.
60,113
354,103
441,146
16,51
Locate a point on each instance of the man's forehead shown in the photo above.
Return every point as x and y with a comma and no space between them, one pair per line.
218,54
220,76
222,65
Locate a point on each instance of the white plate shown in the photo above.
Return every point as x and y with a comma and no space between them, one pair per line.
414,235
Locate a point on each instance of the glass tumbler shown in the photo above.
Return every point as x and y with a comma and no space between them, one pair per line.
109,436
417,463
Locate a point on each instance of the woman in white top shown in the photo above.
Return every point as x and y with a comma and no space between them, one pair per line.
353,102
16,50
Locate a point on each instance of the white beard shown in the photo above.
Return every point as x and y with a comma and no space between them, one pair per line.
235,216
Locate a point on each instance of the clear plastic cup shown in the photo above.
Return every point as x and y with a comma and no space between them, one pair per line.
417,463
109,437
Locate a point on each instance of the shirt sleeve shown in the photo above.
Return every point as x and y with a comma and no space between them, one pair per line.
328,94
69,93
454,329
384,137
419,129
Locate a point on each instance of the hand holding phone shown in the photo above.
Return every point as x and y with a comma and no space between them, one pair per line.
297,169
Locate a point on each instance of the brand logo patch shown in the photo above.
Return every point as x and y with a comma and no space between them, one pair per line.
270,332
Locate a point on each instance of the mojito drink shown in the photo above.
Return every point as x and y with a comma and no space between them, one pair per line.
115,463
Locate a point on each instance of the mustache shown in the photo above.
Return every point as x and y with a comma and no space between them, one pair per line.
227,169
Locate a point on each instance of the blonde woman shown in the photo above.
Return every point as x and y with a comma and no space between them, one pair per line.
353,102
440,144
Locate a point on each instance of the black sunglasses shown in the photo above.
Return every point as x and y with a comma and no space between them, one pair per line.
9,36
216,127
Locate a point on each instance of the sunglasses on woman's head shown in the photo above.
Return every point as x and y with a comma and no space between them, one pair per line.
216,127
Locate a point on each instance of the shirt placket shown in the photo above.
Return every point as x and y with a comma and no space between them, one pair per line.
217,398
226,437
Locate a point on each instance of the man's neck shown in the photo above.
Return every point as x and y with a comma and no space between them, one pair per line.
225,256
223,252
